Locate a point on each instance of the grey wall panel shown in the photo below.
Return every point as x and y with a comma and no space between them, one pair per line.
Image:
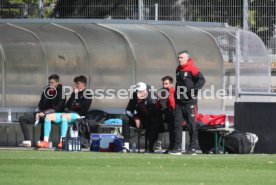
111,62
255,66
154,54
65,52
206,55
24,72
1,74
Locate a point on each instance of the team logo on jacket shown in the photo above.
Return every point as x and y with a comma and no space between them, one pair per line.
185,74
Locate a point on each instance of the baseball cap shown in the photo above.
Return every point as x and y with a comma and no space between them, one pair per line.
141,86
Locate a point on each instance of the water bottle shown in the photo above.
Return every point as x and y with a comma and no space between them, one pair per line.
134,147
71,132
75,133
226,122
70,146
9,115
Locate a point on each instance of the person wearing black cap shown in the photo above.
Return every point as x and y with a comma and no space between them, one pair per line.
188,81
143,113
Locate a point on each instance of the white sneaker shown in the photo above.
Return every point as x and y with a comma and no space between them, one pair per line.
158,145
253,139
126,147
26,143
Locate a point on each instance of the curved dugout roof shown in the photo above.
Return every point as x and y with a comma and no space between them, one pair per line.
112,56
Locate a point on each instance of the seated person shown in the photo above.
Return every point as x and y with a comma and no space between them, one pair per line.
77,106
50,101
143,113
166,103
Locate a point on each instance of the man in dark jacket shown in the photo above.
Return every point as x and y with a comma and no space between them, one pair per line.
188,81
51,101
144,113
80,100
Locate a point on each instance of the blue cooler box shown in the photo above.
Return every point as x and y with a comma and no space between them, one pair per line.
102,142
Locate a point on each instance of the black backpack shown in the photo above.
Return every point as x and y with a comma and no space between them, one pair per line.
97,115
89,125
205,138
237,143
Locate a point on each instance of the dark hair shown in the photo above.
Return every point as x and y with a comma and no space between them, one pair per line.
183,52
54,77
80,78
167,78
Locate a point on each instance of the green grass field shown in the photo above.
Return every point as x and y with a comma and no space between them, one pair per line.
80,168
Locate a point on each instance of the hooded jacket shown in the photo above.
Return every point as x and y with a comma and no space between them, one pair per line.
188,81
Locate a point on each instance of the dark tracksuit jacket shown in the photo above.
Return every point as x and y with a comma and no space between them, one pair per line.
79,103
188,81
51,101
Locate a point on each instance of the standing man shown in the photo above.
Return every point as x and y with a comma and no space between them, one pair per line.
188,81
51,101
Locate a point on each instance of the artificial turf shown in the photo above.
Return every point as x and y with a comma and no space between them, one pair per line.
80,168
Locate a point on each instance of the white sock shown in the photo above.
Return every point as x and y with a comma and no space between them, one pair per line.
46,138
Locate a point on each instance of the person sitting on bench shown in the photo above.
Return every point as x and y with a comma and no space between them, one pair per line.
77,106
51,101
166,103
142,112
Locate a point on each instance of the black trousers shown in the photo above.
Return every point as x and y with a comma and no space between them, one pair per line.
29,119
127,122
185,112
152,127
169,120
150,124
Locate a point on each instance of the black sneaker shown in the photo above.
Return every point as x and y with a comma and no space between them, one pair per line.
167,151
175,152
191,151
149,151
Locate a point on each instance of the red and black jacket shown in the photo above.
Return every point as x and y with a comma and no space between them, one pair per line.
170,100
188,81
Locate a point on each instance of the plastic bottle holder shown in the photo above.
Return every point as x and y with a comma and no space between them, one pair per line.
71,144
